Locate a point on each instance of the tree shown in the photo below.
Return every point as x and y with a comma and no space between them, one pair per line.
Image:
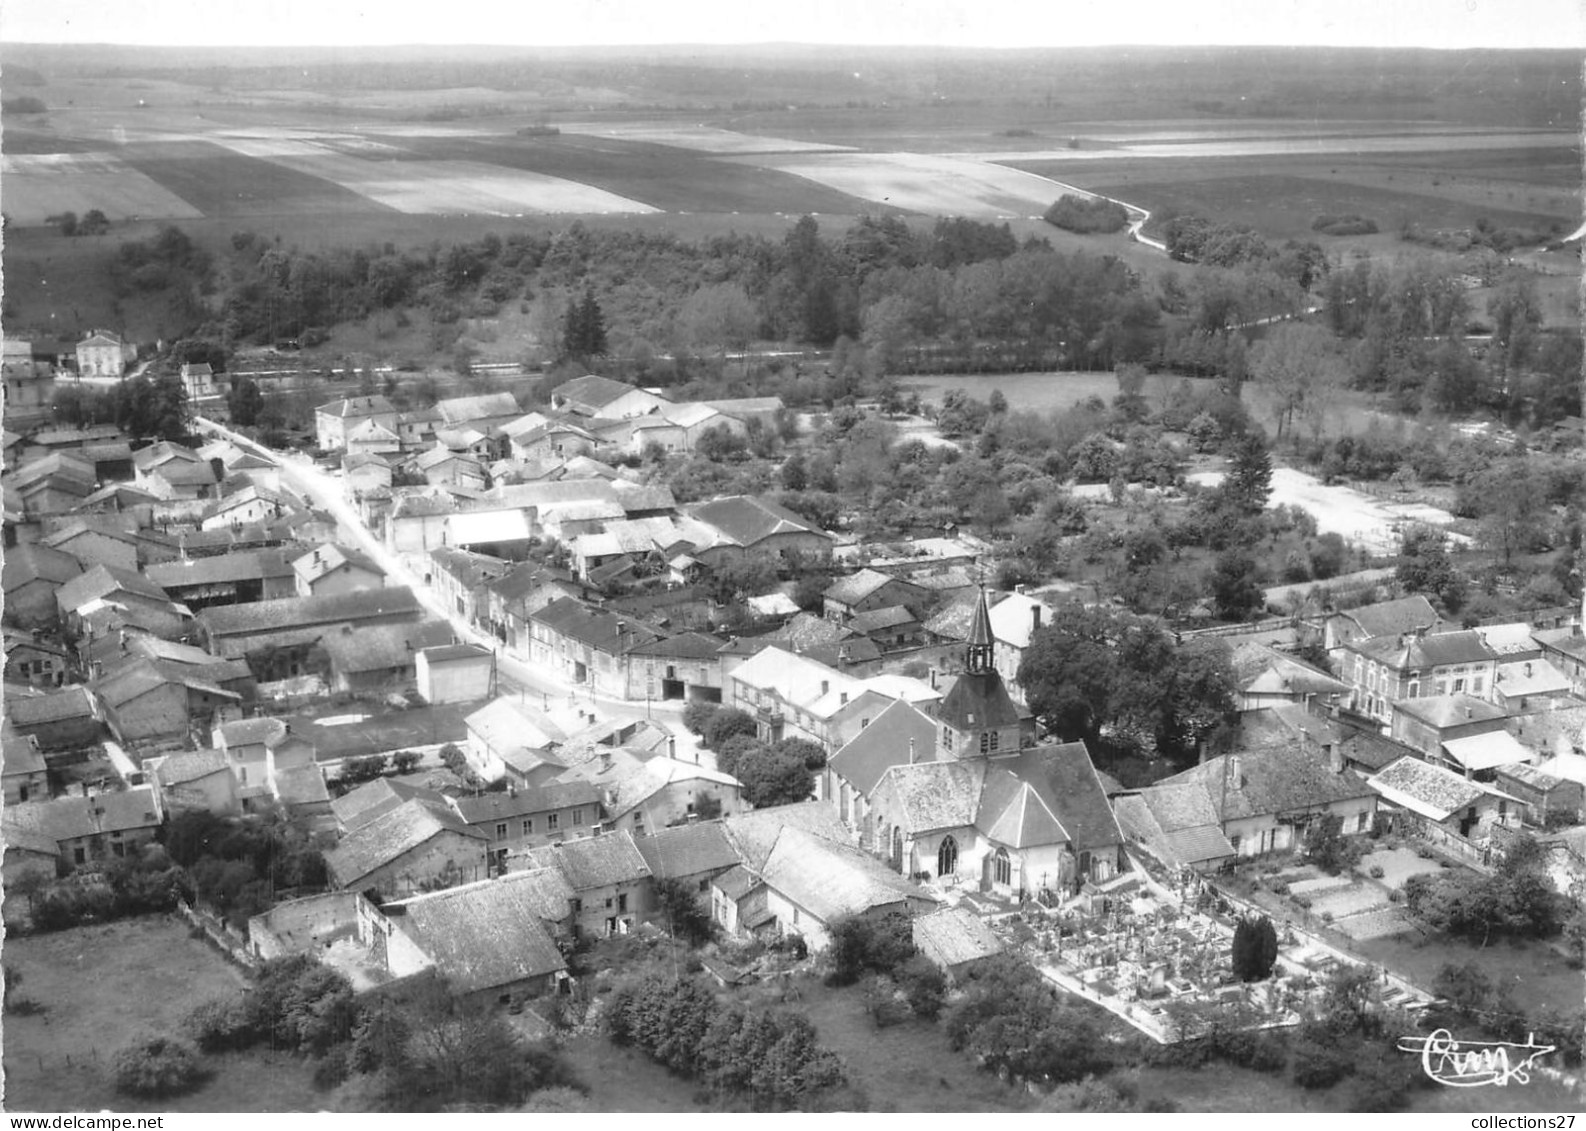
584,328
157,1067
1424,566
1328,848
682,914
67,222
726,722
93,223
1255,949
864,944
245,402
773,776
1249,481
1233,584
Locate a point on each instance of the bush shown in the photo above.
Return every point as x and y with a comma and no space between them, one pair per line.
861,944
698,714
1377,872
924,985
221,1026
1087,215
406,761
726,722
1348,225
155,1067
1255,948
1318,1065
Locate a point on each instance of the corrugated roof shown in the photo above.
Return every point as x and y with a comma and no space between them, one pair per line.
481,936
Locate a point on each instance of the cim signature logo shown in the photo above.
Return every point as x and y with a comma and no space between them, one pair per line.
1475,1064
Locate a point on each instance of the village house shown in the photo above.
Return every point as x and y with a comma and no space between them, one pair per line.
417,522
149,702
371,439
1526,686
689,666
193,780
585,646
1264,800
1426,724
169,471
509,739
1403,617
793,696
225,579
1565,649
749,524
56,484
333,569
865,591
531,816
603,398
460,578
199,381
34,661
662,792
1179,825
442,467
94,545
487,940
1546,798
1385,669
454,673
84,597
277,636
1448,808
332,421
24,773
258,750
88,830
407,849
104,354
692,855
28,385
249,504
32,575
68,719
811,883
1269,678
610,881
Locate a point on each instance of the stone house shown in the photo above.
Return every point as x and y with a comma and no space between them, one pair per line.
333,420
1385,669
866,591
68,719
1426,724
334,569
408,849
610,881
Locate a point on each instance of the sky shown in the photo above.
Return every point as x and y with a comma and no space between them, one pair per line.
970,23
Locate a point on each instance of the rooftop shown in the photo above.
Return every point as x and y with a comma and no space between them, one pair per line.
595,862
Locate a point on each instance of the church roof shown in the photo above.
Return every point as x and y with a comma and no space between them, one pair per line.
978,701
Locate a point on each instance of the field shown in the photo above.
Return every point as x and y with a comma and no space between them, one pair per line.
39,185
1034,392
104,986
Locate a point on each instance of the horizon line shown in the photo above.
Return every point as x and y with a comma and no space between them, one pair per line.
778,43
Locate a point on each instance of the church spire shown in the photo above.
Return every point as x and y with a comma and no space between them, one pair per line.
977,656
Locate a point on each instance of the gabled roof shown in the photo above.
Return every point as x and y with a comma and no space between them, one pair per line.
289,613
52,707
595,862
508,725
1065,779
687,850
797,679
461,410
656,774
885,743
1274,779
1372,750
20,754
359,806
238,565
830,880
1011,812
381,647
1487,751
935,795
1390,618
60,466
1426,789
755,833
139,676
354,407
952,936
34,562
592,391
321,561
857,586
71,818
600,630
1531,677
486,808
390,836
749,519
482,935
1175,840
1424,652
879,620
1263,670
188,766
1442,711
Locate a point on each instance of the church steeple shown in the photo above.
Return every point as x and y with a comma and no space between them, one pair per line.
978,652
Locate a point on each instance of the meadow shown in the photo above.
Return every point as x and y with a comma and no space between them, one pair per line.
104,986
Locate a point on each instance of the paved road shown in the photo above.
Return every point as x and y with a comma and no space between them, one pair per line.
557,694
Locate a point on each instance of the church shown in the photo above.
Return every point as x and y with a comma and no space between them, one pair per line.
958,793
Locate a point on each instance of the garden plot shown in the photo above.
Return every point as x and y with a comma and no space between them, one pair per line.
934,184
1376,924
1354,899
703,139
437,187
1319,884
40,185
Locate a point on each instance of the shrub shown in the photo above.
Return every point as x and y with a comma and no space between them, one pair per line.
155,1067
1347,225
726,722
1377,872
925,986
1319,1065
406,761
861,944
697,714
1279,887
221,1026
1087,215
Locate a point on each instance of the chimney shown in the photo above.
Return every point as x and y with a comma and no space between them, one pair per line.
1335,756
933,679
1528,668
842,698
825,686
913,757
1035,617
512,789
1233,771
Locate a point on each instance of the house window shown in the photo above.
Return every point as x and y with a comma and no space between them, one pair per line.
1002,868
1459,685
528,826
1415,690
1476,684
1234,841
578,906
985,742
80,855
578,816
501,831
553,822
704,885
947,738
1360,823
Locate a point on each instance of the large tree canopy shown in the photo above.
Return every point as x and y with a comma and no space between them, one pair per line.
1108,675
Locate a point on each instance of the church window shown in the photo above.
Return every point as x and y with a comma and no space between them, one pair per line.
947,857
1002,868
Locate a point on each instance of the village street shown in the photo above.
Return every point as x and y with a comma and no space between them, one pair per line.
558,697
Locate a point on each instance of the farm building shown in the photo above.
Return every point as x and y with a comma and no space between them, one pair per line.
332,569
62,720
198,779
601,397
693,854
23,770
954,937
1440,799
379,657
1544,795
32,575
292,625
609,879
811,883
1426,724
748,524
510,739
454,673
225,579
148,701
531,816
34,661
408,849
332,421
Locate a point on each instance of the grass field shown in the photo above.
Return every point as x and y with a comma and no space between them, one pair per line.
225,185
1034,392
104,986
